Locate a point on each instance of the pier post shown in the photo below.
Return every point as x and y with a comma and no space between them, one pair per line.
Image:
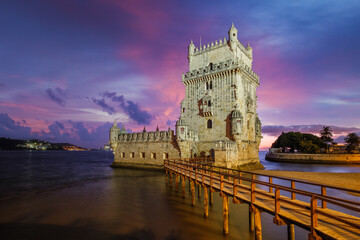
225,214
258,232
176,182
211,195
291,231
206,202
251,220
170,180
183,186
199,191
192,187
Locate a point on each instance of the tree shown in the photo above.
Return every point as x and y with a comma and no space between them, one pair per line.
352,142
304,142
326,136
308,147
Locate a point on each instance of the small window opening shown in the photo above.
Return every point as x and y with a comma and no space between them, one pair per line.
153,155
165,156
132,155
209,103
122,154
183,110
207,85
234,34
142,155
210,84
211,66
209,124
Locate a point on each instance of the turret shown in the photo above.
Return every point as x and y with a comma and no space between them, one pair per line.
191,50
249,49
233,40
181,130
236,123
258,127
123,130
113,136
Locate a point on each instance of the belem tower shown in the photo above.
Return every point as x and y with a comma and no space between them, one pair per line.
218,115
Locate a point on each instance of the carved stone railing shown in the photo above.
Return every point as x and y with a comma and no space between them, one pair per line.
147,136
225,145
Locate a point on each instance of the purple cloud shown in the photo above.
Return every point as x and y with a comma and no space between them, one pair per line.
133,109
106,107
12,129
56,96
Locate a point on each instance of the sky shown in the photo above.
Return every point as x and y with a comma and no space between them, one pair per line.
69,68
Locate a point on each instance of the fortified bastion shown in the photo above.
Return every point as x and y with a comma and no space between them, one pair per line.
218,115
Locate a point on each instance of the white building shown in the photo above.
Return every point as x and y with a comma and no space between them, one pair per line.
218,114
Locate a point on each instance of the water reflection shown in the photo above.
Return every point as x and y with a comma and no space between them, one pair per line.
76,195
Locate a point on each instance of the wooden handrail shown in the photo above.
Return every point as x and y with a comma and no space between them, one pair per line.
333,200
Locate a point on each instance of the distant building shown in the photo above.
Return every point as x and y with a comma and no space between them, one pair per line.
218,115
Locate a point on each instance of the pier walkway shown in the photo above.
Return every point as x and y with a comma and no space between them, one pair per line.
338,220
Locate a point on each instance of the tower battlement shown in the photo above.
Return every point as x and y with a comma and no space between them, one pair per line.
216,68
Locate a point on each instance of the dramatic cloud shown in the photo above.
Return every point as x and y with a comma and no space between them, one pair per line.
56,96
133,109
12,129
138,50
101,102
315,129
74,133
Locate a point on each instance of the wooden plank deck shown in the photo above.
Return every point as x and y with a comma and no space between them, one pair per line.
322,221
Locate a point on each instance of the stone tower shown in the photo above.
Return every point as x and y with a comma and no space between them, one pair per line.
218,114
113,135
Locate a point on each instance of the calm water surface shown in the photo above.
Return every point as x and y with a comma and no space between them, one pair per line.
76,195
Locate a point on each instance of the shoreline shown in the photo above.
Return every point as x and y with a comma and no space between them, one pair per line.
313,158
342,180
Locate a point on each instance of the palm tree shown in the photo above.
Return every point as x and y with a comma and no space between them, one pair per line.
353,141
326,136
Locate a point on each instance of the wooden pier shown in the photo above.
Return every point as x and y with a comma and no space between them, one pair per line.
314,216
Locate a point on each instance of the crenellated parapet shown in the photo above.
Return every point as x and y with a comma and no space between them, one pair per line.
155,136
219,68
218,44
210,46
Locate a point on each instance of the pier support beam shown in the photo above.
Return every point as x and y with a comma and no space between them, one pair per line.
192,188
206,202
211,196
225,214
171,180
176,183
199,191
291,231
251,220
183,186
258,230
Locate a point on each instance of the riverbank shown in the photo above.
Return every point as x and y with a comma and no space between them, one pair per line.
314,158
343,180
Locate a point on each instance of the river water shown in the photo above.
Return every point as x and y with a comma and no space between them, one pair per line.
76,195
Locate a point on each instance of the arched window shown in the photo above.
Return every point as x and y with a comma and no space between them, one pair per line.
209,103
211,66
209,123
210,85
207,85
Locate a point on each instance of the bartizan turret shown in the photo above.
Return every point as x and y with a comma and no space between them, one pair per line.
191,51
113,136
181,130
233,40
236,124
